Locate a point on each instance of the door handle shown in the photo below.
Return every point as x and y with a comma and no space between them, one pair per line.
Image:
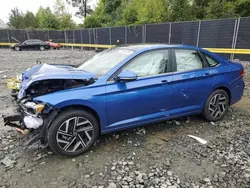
206,74
193,76
164,81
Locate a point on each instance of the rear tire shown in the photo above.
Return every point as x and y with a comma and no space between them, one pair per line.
73,132
216,106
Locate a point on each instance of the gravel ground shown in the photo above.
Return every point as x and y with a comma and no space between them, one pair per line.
158,155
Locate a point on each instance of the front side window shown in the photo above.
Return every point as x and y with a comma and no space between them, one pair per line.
103,62
150,63
187,60
27,42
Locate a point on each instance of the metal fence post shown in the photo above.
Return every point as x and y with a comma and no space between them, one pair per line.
235,37
81,39
73,39
8,35
126,34
110,36
233,40
94,35
89,36
27,34
145,33
142,36
65,36
198,35
169,34
96,29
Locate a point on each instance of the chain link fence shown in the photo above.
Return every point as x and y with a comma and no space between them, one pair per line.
223,33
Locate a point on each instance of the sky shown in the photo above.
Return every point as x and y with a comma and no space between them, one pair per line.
30,5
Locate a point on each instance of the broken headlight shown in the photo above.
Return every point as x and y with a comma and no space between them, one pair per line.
37,108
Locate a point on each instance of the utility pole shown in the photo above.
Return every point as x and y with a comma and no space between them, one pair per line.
85,8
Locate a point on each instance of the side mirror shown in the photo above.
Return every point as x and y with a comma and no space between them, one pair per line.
126,76
24,43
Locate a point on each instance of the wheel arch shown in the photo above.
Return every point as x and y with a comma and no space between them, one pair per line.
82,107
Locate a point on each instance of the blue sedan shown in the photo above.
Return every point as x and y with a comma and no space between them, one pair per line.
124,87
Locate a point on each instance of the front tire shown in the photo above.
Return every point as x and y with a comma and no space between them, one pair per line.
42,48
73,132
17,48
216,106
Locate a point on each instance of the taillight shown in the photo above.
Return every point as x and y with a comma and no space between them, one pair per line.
242,72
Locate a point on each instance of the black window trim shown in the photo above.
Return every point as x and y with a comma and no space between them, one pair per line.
170,68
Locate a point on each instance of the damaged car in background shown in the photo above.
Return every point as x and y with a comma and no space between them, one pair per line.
67,107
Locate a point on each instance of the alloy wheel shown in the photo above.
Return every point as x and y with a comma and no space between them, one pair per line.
42,48
74,134
17,48
217,105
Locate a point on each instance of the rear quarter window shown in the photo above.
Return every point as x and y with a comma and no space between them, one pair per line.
211,62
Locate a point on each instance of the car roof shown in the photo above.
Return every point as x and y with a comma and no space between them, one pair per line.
33,40
145,47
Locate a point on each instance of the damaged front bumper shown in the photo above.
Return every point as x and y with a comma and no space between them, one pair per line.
31,117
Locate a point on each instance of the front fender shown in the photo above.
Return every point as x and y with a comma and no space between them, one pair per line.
93,98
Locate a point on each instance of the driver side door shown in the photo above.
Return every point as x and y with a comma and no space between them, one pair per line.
145,99
27,45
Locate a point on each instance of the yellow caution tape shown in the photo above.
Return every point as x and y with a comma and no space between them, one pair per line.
87,45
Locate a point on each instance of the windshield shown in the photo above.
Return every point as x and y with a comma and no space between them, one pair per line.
103,62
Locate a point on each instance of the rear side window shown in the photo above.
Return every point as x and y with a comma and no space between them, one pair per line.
187,60
211,62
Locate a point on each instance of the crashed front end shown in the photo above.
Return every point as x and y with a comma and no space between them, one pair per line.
31,117
34,117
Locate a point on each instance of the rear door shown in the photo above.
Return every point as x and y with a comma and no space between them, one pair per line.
36,44
146,99
193,81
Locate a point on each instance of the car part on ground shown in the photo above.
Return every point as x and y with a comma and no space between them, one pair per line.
115,90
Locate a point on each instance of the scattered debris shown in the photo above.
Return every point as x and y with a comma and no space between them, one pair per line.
202,141
112,185
212,123
8,163
24,132
29,171
32,122
141,131
177,122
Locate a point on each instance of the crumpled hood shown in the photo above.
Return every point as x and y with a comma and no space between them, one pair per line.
46,71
